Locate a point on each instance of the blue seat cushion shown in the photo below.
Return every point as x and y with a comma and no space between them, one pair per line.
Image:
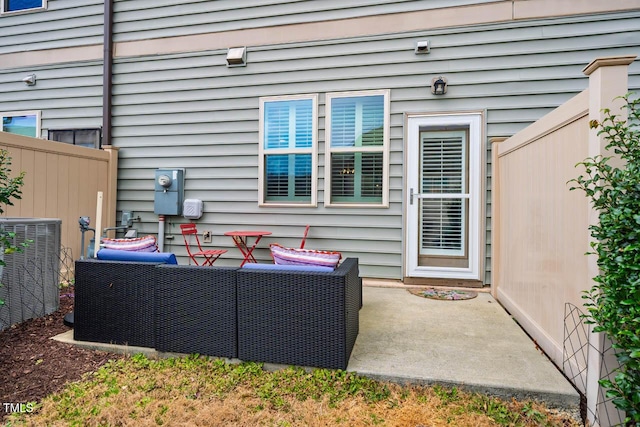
289,267
118,255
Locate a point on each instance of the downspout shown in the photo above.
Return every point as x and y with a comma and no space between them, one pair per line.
107,73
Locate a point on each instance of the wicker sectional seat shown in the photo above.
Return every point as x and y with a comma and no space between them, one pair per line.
195,310
304,318
114,302
173,308
299,318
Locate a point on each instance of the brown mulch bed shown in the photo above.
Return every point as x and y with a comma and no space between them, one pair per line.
32,365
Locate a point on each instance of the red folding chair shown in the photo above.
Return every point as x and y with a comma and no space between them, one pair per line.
209,255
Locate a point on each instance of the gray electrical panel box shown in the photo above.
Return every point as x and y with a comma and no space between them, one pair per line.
169,192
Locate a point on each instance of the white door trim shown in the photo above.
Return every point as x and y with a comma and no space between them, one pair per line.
414,124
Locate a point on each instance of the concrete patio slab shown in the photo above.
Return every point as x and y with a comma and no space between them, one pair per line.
473,344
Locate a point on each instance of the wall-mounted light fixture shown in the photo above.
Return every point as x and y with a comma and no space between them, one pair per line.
422,47
237,57
439,85
30,80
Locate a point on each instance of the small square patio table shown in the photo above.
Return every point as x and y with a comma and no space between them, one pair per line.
240,238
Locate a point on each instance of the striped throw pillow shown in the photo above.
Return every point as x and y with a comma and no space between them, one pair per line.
140,244
309,257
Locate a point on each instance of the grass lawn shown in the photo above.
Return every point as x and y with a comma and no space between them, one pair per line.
200,391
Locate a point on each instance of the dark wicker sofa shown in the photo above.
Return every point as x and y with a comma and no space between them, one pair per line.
294,317
195,310
114,302
299,318
173,308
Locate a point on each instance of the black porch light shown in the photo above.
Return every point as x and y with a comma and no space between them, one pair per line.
439,85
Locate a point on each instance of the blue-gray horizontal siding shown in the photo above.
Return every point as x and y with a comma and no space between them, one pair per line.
192,111
67,23
145,19
69,95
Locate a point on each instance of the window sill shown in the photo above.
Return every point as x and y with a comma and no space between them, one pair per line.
23,11
286,205
358,205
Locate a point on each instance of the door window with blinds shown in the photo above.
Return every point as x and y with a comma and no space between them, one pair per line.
444,183
288,150
357,147
444,195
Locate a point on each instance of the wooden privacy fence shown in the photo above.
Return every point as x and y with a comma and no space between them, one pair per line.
62,181
541,230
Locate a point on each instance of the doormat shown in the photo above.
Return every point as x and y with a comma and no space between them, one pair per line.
444,294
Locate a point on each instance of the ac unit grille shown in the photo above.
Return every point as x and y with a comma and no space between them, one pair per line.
30,279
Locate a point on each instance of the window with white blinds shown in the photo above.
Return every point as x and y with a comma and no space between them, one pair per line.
357,148
444,185
288,150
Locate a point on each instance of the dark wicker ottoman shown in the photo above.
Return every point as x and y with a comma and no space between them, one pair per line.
195,310
299,318
114,302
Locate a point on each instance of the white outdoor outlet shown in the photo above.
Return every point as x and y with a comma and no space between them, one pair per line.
206,237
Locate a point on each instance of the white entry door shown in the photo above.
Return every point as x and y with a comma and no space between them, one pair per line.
444,196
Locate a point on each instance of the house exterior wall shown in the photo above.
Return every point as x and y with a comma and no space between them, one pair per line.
176,104
62,45
149,19
68,94
64,24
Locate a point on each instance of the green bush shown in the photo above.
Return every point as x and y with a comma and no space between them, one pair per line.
10,190
613,303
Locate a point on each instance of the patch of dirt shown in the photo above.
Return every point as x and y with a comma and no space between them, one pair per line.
32,365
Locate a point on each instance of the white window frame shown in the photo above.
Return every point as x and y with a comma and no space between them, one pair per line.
36,113
313,150
384,149
3,10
